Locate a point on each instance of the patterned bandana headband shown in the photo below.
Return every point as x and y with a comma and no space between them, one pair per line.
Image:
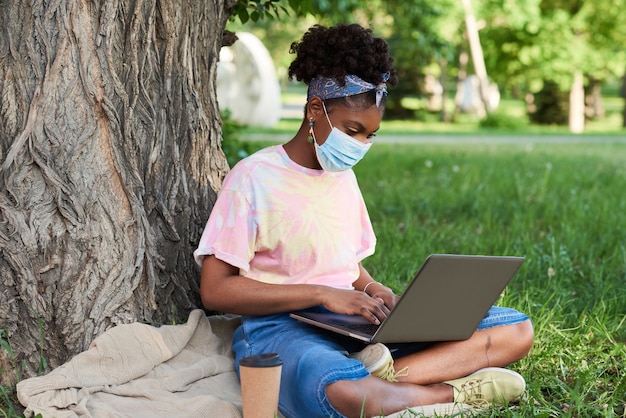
329,88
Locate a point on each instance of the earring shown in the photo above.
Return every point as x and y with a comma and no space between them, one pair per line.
311,136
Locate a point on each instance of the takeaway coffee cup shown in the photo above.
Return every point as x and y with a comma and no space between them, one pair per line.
260,384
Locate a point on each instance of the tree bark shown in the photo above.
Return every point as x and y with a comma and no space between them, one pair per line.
110,162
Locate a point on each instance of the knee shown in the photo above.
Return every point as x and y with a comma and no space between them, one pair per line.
346,397
523,337
509,343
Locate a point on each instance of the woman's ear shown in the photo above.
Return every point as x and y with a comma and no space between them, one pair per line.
314,108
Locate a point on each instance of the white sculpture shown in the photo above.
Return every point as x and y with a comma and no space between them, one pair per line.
471,101
247,84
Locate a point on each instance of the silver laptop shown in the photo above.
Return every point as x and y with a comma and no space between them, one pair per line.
446,300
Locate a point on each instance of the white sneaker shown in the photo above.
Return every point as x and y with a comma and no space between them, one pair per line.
378,362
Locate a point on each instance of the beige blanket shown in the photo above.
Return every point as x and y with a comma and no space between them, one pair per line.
137,370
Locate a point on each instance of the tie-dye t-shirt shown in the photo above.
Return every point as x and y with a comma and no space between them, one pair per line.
279,222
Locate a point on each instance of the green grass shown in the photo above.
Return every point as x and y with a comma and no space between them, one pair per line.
9,405
560,206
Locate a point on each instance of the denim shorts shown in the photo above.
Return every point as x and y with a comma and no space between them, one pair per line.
314,358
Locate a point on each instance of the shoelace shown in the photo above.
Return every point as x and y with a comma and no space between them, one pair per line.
472,393
387,372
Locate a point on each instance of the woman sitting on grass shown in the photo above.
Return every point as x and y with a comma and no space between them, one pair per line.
289,231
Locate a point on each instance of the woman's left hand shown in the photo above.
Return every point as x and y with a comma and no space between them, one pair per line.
385,294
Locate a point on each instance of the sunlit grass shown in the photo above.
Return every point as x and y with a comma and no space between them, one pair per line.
560,206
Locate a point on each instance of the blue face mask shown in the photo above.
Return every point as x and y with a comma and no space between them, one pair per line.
340,151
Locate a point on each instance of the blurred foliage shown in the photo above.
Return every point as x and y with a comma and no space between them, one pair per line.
420,34
256,10
524,43
535,40
233,147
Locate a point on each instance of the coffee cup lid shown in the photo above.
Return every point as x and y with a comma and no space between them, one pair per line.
261,360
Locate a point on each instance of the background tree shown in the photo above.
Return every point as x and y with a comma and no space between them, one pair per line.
529,43
421,34
526,44
110,163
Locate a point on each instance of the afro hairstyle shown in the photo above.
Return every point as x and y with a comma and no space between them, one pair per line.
334,52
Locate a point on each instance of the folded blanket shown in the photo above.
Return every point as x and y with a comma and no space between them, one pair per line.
137,370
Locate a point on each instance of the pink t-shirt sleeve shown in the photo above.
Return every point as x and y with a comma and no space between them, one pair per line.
230,231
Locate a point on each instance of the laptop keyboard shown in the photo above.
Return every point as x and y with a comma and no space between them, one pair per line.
368,329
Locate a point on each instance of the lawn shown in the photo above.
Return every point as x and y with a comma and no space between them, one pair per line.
562,207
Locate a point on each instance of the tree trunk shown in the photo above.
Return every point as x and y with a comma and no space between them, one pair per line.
443,79
624,97
594,108
478,59
577,105
462,75
110,162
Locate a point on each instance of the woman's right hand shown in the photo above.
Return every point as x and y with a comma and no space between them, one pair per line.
355,302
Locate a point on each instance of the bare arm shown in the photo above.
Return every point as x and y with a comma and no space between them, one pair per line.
375,289
223,289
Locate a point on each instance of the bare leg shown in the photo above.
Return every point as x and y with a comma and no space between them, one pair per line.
375,396
493,347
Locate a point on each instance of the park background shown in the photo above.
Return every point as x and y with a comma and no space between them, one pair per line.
512,181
